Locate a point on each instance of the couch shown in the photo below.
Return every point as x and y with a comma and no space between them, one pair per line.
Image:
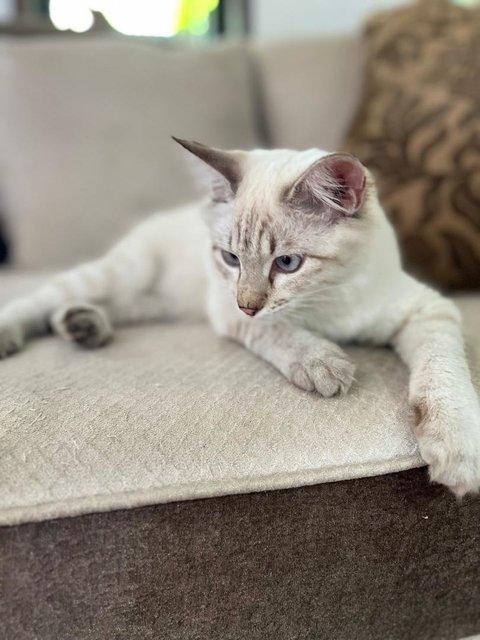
172,485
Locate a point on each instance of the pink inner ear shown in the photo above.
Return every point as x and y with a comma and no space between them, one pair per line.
349,173
351,179
333,187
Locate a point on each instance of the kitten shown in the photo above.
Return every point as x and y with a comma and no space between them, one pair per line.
299,256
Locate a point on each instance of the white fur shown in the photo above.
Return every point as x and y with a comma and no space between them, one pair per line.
162,268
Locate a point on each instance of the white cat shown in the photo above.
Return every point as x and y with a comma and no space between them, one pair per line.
297,254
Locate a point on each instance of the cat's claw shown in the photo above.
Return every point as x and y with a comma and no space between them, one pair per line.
328,374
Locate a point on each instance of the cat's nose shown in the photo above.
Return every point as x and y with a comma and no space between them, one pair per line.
250,311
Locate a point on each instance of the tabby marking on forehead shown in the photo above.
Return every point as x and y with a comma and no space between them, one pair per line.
273,244
262,229
252,232
249,223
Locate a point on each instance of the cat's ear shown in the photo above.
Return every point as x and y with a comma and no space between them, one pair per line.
222,170
333,186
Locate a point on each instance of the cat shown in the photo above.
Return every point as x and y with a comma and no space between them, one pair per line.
296,255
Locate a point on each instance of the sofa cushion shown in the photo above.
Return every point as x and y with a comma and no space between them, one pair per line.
309,89
85,128
384,558
172,412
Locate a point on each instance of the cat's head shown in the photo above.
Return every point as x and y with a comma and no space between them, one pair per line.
284,225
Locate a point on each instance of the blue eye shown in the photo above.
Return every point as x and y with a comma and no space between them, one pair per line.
230,258
288,264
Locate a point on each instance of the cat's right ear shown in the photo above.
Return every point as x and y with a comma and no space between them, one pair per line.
333,187
221,169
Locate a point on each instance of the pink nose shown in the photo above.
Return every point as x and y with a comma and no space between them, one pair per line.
248,310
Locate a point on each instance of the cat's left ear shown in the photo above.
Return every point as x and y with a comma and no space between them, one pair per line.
333,186
221,169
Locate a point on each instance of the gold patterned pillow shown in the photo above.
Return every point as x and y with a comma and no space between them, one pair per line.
418,129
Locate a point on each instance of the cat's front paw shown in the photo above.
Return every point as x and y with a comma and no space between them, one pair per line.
11,340
328,372
449,442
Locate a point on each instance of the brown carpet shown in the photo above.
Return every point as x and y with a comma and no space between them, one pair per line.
384,558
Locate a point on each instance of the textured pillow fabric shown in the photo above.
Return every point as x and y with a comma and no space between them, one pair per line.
85,128
171,412
418,129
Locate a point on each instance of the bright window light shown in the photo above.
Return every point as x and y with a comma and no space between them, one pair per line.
162,18
71,14
141,17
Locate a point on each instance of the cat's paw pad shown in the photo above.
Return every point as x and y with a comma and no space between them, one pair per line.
450,445
11,340
86,326
329,375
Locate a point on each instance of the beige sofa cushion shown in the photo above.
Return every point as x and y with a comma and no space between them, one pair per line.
310,89
171,412
85,127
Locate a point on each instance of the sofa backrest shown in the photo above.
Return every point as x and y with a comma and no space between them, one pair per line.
309,90
85,126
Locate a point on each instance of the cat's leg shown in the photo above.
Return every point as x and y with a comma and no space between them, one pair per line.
306,360
78,302
91,326
145,308
445,404
87,325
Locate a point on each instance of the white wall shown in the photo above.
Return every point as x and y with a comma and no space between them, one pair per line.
284,18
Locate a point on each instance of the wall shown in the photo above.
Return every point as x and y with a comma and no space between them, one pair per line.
285,18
